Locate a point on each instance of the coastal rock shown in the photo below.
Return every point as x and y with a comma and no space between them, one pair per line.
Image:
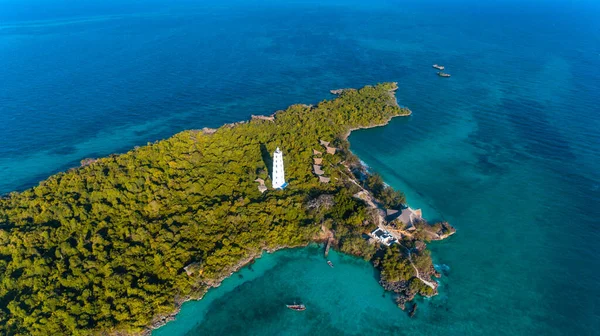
340,91
159,323
446,231
208,131
232,125
88,161
437,231
402,300
413,310
393,286
262,117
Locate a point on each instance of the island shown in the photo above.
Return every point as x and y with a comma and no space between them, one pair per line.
117,245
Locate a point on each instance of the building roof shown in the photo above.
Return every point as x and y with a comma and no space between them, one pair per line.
379,232
408,215
331,150
318,160
316,152
383,236
189,269
324,143
390,212
317,169
324,179
261,185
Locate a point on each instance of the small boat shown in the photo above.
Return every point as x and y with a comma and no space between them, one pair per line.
296,307
443,74
330,263
439,67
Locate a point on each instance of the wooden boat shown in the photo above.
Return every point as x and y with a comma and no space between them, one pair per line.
439,67
297,307
330,263
443,74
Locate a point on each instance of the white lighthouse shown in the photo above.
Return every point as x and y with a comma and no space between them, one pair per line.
278,174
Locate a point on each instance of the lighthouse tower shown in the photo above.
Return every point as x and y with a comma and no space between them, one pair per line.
278,174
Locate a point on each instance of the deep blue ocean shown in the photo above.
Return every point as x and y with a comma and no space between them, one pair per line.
507,149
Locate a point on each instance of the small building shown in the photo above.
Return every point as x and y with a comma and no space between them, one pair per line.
324,143
318,161
316,152
330,150
191,268
383,236
324,179
261,185
317,169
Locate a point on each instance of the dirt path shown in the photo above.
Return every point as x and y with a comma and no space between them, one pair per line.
428,283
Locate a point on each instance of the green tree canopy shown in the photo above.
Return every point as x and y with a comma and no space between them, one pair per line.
104,247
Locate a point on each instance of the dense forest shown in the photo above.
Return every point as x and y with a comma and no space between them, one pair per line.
103,248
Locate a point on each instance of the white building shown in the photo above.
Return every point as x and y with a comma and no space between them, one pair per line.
278,173
383,236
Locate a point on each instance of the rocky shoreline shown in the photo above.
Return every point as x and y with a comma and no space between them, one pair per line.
401,288
162,320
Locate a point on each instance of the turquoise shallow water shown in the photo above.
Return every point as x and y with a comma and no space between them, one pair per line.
252,302
507,149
